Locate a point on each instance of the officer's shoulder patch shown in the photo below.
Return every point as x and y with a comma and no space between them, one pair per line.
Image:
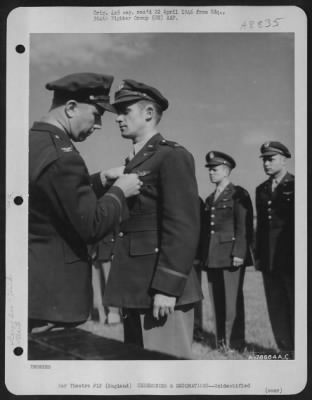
62,146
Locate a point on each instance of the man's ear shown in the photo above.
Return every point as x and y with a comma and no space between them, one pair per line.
71,108
149,112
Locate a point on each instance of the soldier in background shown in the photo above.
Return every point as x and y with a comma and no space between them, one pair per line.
68,208
275,241
227,235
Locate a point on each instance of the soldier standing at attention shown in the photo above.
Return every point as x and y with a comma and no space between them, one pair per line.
227,235
152,276
275,241
68,208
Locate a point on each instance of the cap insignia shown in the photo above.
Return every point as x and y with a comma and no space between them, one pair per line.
211,155
121,85
266,144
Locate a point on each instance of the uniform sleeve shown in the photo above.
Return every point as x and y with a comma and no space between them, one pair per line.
97,186
180,225
68,187
243,225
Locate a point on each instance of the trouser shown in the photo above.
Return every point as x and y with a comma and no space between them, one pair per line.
279,291
227,298
172,334
100,273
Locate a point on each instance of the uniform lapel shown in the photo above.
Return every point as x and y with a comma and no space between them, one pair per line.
147,151
209,202
281,186
268,187
225,193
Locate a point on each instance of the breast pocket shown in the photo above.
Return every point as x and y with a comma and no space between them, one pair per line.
143,243
288,197
225,208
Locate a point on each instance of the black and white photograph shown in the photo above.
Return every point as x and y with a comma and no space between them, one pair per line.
154,200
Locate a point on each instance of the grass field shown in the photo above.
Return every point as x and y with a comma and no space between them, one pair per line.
259,335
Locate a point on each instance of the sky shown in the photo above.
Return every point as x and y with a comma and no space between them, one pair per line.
228,92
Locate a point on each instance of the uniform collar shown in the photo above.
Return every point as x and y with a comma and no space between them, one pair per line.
280,178
227,191
52,129
146,151
138,146
223,185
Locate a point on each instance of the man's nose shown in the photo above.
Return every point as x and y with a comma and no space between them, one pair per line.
119,118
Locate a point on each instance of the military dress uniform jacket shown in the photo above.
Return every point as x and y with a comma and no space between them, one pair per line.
275,226
156,246
227,228
64,216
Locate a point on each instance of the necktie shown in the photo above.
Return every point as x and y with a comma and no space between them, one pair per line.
217,193
131,154
274,184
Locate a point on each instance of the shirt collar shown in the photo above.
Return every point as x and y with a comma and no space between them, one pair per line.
138,146
280,178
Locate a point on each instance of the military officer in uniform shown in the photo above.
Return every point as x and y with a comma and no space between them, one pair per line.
68,208
226,239
275,241
152,276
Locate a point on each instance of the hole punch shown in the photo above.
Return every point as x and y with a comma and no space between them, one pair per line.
18,200
20,49
18,351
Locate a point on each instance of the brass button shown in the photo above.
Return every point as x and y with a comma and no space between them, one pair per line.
212,232
212,223
213,208
212,215
269,201
270,216
120,234
156,250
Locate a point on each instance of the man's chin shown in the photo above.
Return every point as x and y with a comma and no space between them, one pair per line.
125,136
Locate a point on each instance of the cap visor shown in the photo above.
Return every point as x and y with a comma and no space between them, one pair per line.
213,164
127,99
269,153
107,107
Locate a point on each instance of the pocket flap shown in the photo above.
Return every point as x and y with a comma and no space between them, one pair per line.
142,243
226,237
225,204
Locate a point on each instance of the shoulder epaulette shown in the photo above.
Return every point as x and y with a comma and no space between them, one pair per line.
170,143
62,146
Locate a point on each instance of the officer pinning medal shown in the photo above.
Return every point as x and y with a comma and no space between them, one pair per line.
68,208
